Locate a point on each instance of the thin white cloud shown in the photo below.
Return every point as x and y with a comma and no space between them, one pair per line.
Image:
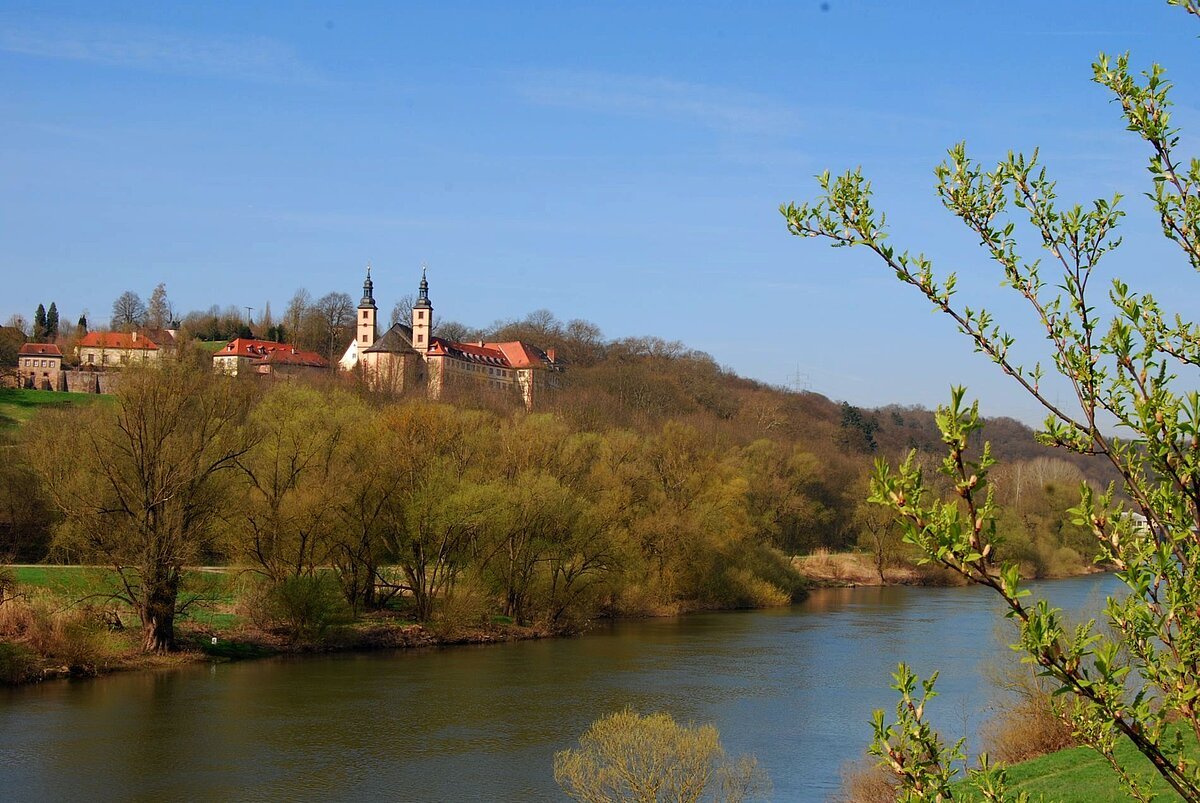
714,107
348,220
252,58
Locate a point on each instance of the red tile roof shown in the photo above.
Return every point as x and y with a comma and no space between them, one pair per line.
513,354
40,350
471,352
267,351
305,358
122,341
165,338
253,349
521,355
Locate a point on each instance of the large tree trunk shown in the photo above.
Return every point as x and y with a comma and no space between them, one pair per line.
423,604
422,595
370,597
357,575
157,613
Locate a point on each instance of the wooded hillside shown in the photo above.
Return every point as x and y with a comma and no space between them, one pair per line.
790,468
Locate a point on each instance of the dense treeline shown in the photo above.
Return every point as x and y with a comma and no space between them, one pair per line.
425,503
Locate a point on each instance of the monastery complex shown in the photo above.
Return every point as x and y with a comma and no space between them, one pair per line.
409,356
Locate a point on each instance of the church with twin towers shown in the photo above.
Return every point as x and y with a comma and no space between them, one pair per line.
410,356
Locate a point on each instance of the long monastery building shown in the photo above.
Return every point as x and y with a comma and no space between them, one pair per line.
409,356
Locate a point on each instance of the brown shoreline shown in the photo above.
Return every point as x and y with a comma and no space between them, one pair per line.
196,646
856,570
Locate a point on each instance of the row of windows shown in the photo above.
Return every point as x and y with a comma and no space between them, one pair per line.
31,363
491,371
479,369
111,359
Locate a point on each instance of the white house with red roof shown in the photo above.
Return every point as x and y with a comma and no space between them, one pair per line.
408,356
243,356
110,349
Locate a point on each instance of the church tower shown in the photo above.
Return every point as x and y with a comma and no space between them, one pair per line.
422,317
366,315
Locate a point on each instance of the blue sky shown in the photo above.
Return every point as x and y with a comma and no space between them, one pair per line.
618,162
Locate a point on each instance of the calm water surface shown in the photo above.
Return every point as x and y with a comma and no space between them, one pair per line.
794,686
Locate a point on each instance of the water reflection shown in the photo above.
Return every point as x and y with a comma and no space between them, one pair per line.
795,686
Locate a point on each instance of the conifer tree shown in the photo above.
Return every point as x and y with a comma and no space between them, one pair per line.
52,321
39,324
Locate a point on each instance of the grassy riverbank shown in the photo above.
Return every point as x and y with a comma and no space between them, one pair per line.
61,621
65,621
1081,775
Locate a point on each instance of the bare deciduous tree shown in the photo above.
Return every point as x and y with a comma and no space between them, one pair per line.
297,308
402,311
128,312
336,314
158,312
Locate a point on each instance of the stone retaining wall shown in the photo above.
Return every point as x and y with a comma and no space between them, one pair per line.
89,381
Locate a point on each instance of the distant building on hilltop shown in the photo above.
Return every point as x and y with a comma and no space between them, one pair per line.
39,366
111,349
410,356
243,356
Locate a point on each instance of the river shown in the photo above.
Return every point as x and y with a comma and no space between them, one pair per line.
795,686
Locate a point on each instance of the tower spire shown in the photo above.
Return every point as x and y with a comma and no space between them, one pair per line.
422,317
423,292
368,299
365,337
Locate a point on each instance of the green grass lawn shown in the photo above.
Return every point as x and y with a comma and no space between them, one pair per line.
18,406
212,346
1081,775
75,582
216,590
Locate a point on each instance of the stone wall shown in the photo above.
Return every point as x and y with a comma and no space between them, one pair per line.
90,381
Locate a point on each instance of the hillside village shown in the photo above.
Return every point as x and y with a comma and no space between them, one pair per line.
409,356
